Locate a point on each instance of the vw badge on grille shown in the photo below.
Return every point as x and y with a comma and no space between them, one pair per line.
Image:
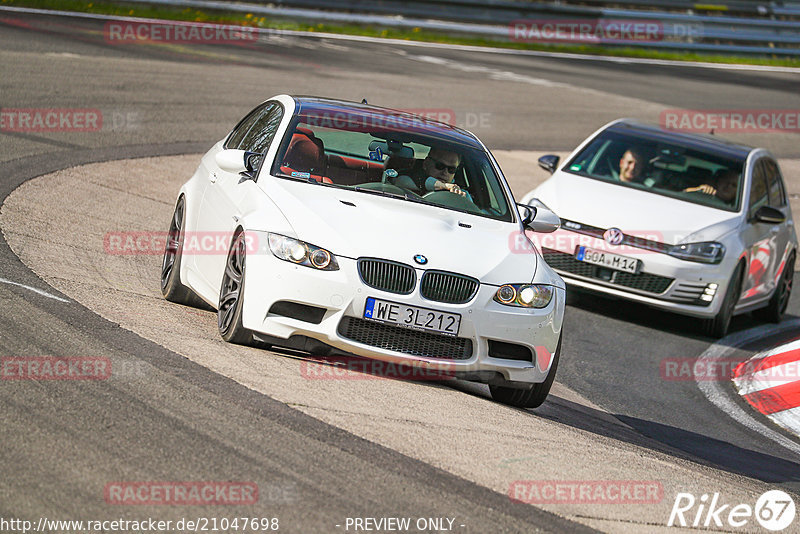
613,236
419,258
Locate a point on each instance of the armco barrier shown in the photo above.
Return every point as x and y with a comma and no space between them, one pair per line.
736,26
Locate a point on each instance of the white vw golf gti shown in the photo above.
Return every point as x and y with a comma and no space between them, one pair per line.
373,232
687,223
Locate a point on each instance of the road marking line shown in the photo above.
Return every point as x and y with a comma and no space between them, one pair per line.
717,396
37,291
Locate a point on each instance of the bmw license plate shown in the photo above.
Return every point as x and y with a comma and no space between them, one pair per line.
412,316
606,259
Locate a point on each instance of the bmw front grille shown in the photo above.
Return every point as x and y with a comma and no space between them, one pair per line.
395,277
387,275
448,287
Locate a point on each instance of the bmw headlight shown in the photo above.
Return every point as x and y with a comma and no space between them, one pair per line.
705,252
524,295
302,253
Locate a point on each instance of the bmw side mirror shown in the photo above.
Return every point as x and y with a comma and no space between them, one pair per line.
549,163
252,161
231,160
243,162
769,215
538,217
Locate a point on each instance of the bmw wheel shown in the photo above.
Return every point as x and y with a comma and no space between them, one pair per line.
231,295
171,286
528,398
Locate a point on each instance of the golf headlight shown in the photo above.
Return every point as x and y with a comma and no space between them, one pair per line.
524,295
705,252
302,253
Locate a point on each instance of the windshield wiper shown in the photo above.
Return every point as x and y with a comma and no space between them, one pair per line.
405,196
310,180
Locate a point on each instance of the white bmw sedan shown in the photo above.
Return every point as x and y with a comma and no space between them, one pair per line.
687,223
369,231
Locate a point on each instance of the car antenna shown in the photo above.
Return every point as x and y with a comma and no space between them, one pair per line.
364,101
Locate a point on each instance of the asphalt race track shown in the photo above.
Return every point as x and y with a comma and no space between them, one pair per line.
184,406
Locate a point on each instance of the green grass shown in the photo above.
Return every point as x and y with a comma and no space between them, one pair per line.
414,34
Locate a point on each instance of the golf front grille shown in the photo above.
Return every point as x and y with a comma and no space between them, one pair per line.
448,287
649,283
387,275
405,340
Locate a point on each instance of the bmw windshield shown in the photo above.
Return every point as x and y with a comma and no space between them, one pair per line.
394,155
662,168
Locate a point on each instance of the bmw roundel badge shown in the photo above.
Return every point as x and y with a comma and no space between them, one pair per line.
419,258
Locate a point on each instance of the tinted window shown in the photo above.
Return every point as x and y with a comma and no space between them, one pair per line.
257,130
263,131
777,194
758,191
235,138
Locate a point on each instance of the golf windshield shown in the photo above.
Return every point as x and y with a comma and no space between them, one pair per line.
662,168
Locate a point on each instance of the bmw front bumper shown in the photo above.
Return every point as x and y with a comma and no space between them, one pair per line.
283,301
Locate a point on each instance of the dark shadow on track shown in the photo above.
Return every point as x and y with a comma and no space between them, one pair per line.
642,315
675,442
664,439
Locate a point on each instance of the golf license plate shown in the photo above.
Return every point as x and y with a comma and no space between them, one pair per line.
412,316
607,259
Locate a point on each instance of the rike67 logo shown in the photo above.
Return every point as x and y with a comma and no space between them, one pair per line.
774,510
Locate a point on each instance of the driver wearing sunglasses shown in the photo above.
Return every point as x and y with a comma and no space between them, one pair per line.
438,172
440,168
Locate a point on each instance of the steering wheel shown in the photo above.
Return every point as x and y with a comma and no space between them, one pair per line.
451,200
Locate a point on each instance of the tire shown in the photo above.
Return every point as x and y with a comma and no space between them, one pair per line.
718,326
780,298
573,297
231,295
171,287
532,397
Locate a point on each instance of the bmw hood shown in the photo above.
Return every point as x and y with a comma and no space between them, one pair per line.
635,212
358,224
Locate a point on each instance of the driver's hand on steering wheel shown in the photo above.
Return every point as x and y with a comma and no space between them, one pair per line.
448,186
705,188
